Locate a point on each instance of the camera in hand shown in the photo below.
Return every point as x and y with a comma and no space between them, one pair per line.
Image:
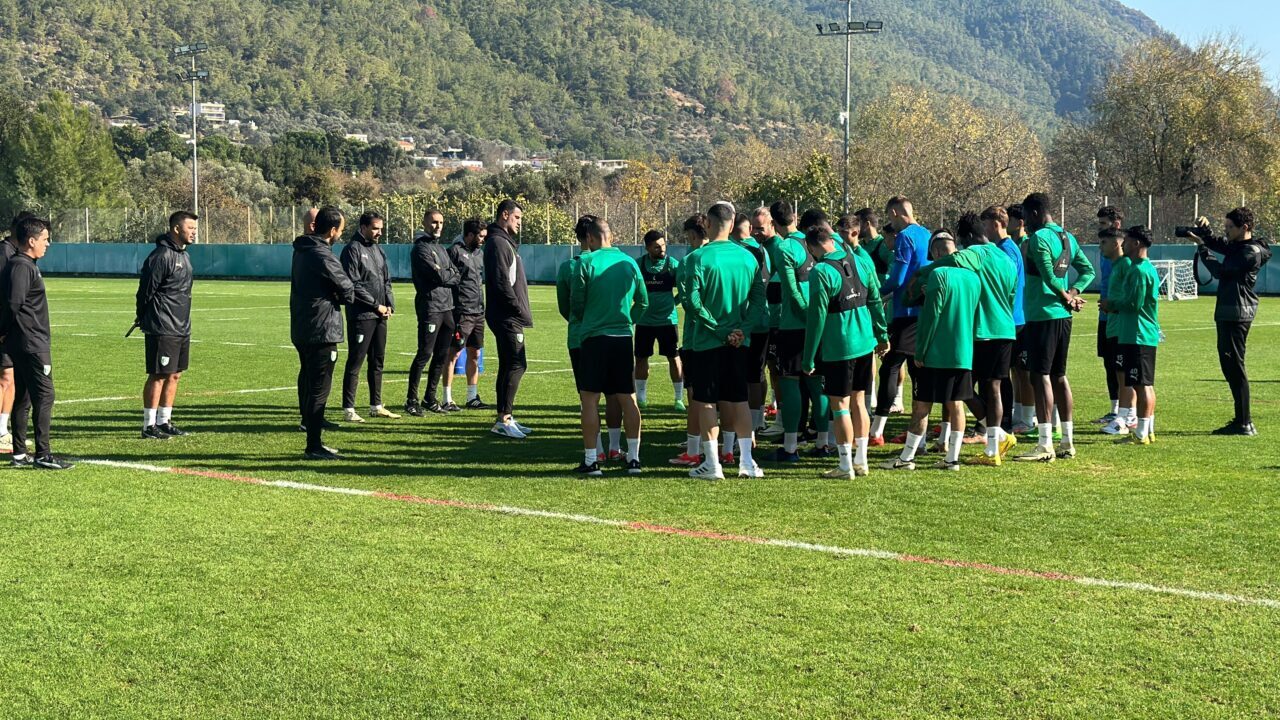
1186,231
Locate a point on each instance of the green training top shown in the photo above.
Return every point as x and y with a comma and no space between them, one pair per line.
1136,309
847,334
607,294
999,280
760,318
567,270
944,337
774,248
722,293
660,282
1043,252
791,259
882,255
1115,285
683,277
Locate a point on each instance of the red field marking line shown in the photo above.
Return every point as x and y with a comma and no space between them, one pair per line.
639,526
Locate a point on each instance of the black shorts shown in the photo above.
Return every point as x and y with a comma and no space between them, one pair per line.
771,350
757,354
1020,350
902,335
663,335
991,359
469,332
1139,365
6,362
939,385
167,354
790,348
718,375
575,359
607,365
846,377
1048,343
1106,346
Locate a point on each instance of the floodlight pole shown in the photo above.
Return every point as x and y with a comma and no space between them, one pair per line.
194,76
848,31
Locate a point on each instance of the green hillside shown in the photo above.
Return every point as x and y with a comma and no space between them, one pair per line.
606,77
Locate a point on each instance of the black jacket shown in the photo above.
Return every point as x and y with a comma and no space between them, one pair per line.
1237,274
434,277
366,264
164,291
24,320
468,296
506,289
317,288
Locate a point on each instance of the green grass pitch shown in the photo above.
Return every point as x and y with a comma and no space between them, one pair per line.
133,594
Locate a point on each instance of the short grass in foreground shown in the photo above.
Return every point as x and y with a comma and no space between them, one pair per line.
125,593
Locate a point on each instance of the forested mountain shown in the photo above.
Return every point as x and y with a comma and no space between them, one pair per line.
604,77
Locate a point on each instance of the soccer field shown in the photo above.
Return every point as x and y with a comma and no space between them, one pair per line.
456,574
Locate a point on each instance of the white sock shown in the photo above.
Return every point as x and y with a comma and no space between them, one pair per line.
728,440
923,443
757,418
4,423
1151,425
897,398
1057,419
824,439
861,445
642,390
149,417
877,425
909,450
944,432
1142,430
615,439
473,392
1129,414
993,441
711,458
599,445
790,441
957,443
691,445
1069,433
1046,434
164,416
1115,407
845,452
633,449
590,456
448,394
679,389
744,453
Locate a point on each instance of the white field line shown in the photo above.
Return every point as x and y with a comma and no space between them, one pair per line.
1214,327
868,553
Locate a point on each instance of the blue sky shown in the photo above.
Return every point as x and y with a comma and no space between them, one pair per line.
1257,22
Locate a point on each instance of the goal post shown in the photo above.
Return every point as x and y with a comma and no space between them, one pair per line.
1177,279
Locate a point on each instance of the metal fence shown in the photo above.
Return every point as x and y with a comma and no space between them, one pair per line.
549,223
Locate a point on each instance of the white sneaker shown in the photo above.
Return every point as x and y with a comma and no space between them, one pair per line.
507,430
773,430
524,430
838,474
751,471
861,471
382,412
350,415
1116,427
706,471
6,443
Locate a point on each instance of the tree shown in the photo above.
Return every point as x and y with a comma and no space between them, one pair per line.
1174,120
64,158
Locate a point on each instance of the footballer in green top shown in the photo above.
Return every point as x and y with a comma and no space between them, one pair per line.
658,324
845,325
1134,306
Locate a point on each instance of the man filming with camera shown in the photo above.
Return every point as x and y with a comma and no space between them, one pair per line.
1236,271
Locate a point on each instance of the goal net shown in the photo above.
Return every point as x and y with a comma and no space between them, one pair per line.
1177,279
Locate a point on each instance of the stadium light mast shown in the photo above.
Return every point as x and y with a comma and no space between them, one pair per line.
194,76
850,28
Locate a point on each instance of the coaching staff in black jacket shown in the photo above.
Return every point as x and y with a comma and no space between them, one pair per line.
24,326
507,311
163,312
434,278
366,265
1243,256
317,289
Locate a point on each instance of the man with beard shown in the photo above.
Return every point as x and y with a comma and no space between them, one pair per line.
434,279
366,265
163,312
468,313
507,312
